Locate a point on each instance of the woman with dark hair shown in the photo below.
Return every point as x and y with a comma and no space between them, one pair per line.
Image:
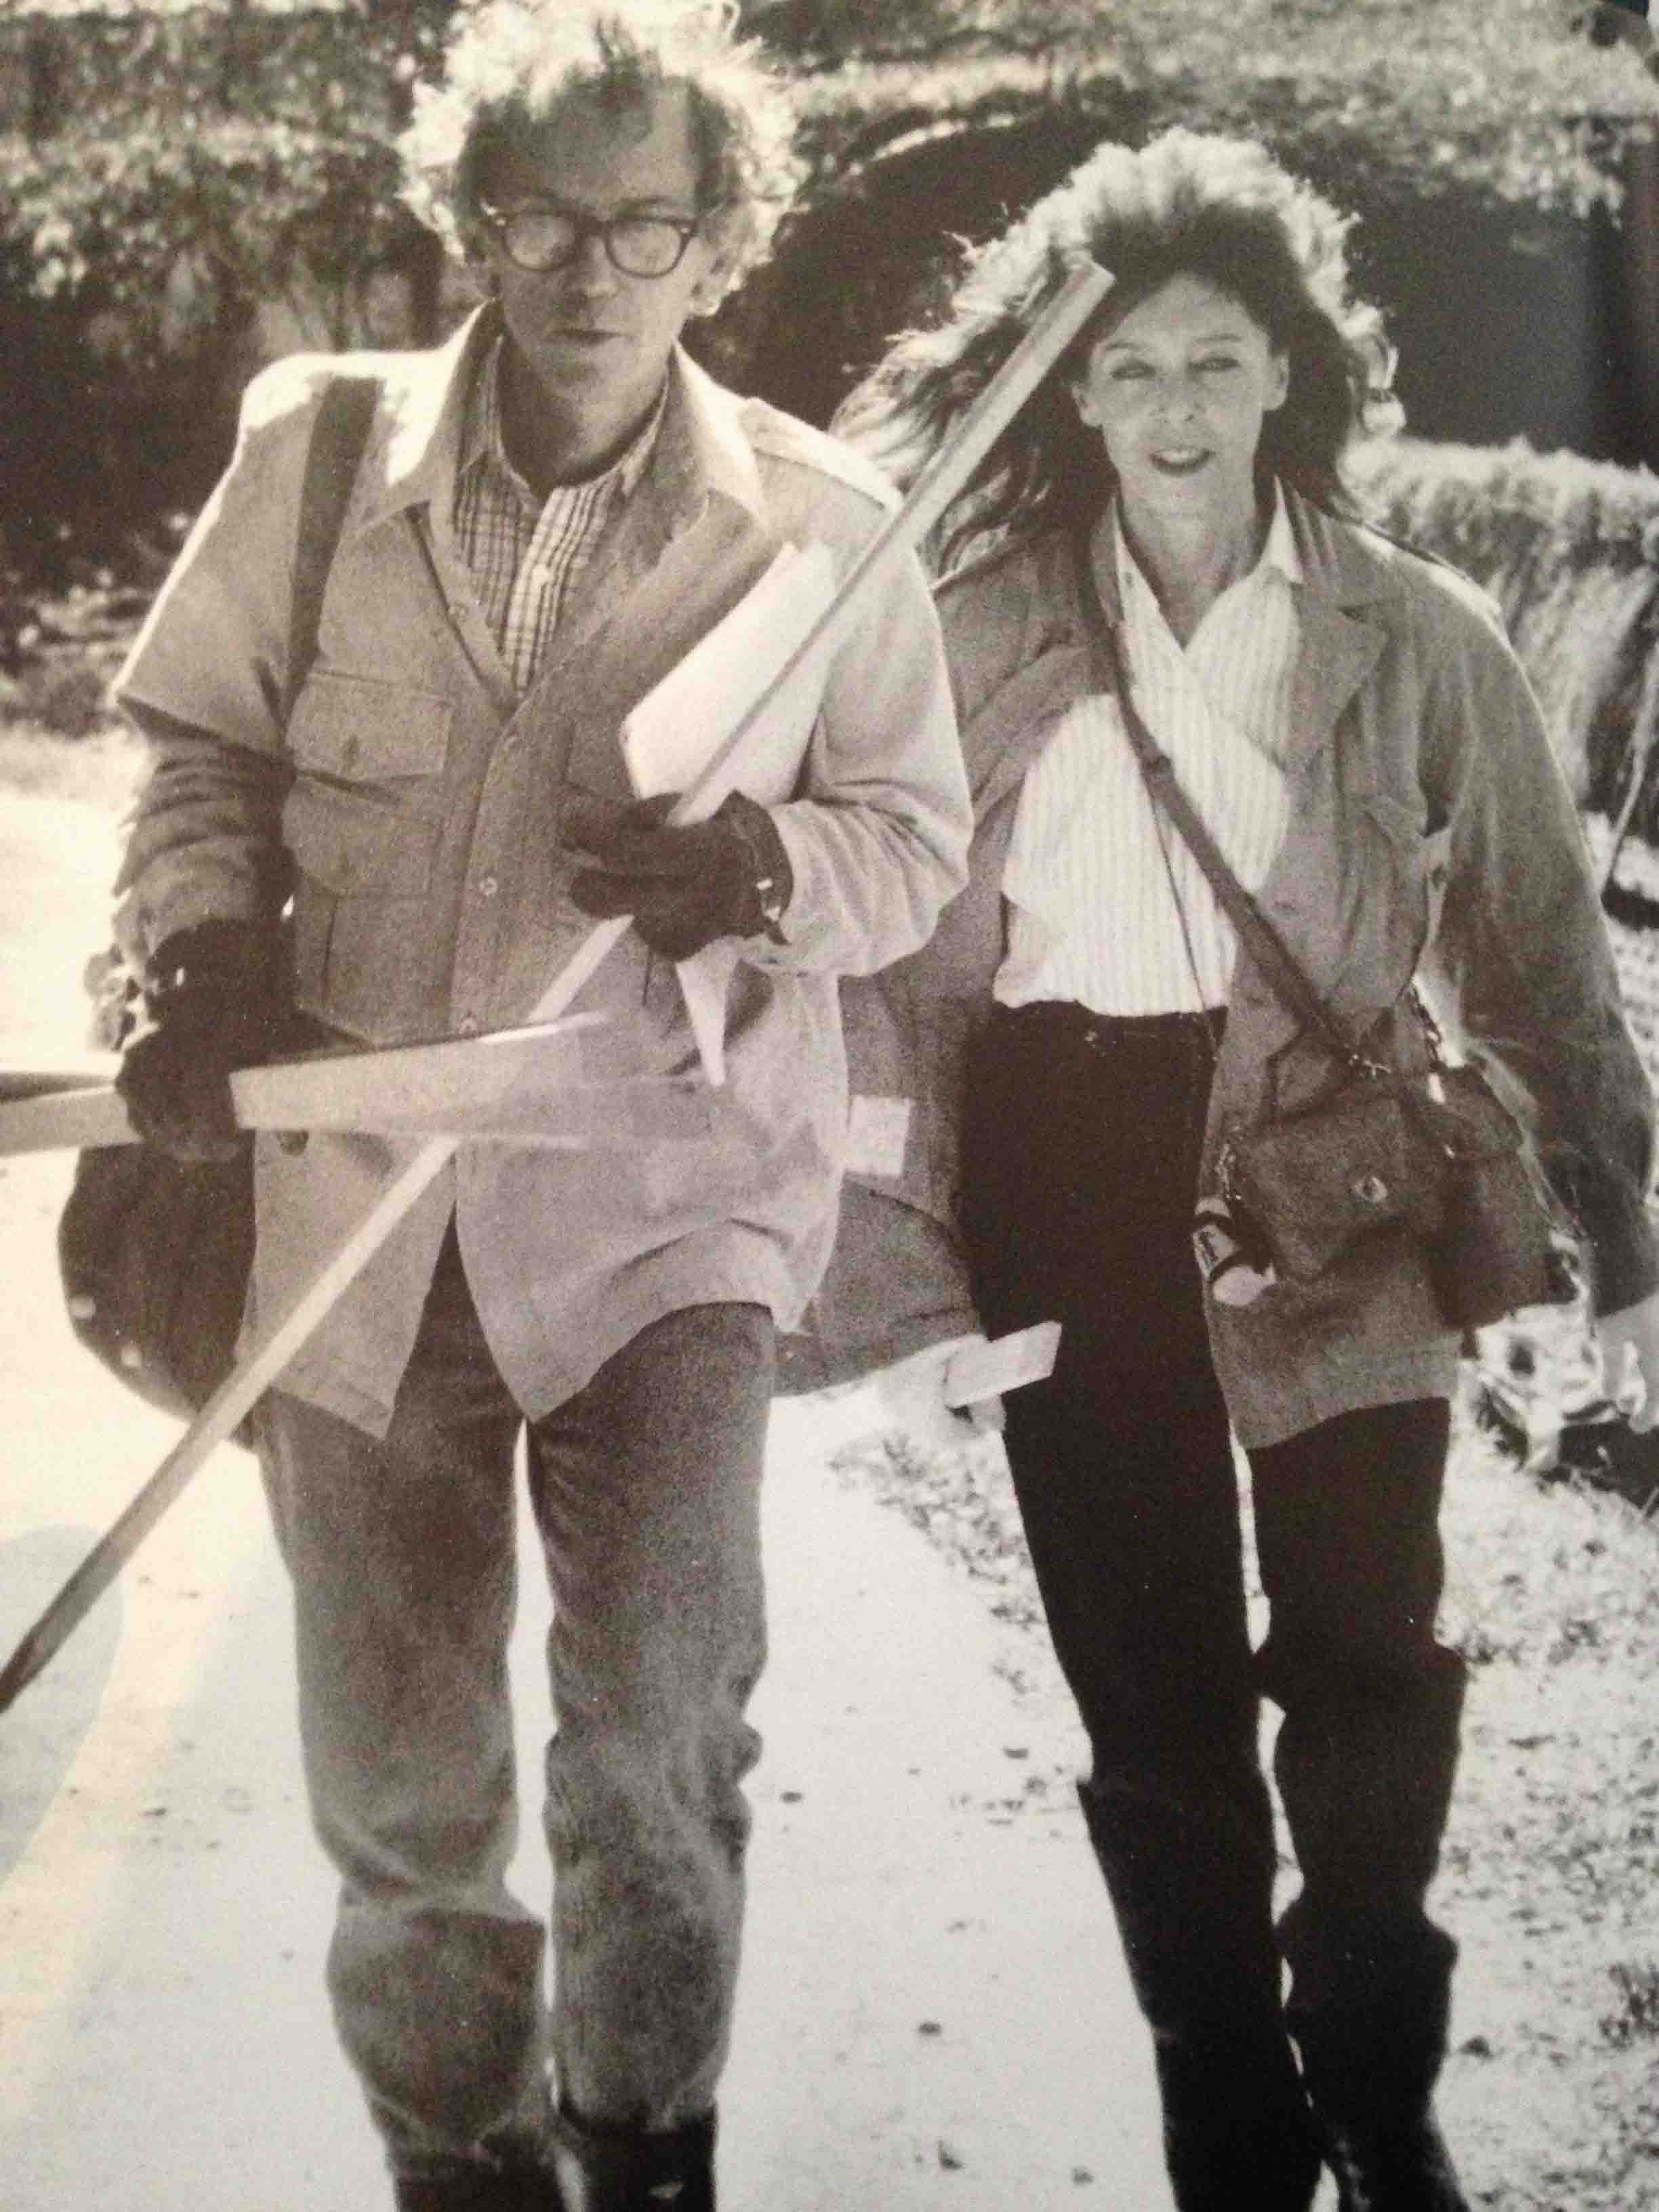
1349,721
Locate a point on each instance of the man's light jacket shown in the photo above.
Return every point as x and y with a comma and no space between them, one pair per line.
413,807
1431,837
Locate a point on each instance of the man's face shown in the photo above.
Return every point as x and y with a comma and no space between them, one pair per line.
595,341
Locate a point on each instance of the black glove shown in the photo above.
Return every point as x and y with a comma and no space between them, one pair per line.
213,1002
727,877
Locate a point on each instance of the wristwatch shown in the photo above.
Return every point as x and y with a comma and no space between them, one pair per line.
770,877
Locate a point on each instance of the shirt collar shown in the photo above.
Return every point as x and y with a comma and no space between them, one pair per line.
481,441
701,445
1279,554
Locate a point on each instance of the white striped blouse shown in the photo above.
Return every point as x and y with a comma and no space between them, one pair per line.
1092,912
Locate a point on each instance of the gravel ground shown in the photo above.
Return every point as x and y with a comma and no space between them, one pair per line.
1551,1859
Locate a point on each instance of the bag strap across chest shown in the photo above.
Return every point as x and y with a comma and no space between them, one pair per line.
338,437
1164,787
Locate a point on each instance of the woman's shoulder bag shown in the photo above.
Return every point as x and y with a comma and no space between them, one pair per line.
1435,1154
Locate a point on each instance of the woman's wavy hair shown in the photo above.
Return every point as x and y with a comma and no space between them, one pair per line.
510,62
1188,204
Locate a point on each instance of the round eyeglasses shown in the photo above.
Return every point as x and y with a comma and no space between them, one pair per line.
537,237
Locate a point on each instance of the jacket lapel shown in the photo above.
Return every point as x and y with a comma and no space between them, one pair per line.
680,555
1339,642
1051,671
1000,745
1336,651
1342,633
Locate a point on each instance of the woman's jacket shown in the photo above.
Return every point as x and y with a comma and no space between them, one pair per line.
1431,839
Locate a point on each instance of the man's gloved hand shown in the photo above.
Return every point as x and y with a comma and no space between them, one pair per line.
212,1003
727,877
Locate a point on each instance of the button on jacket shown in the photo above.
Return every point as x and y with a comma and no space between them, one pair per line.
1431,834
413,807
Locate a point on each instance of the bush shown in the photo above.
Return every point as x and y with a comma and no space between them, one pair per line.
184,173
1569,549
164,175
1515,104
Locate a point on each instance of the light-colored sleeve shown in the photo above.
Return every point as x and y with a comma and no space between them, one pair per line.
880,842
1521,966
203,685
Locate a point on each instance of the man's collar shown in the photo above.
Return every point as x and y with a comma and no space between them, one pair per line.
703,447
420,445
700,448
483,439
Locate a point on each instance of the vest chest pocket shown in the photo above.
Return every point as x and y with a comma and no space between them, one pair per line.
369,757
354,729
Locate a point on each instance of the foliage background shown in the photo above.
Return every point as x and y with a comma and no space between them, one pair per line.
169,174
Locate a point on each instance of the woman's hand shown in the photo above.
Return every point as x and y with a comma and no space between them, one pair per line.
1629,1340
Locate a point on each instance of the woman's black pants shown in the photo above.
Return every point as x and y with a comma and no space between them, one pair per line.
1082,1146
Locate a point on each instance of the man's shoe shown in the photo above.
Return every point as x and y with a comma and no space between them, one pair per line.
628,2170
1400,2165
518,2189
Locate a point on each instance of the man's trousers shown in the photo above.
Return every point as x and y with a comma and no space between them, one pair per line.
645,1489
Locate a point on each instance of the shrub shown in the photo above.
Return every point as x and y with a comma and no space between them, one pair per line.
163,174
1570,549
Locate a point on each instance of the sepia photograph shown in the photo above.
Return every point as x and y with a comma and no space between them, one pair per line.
829,1023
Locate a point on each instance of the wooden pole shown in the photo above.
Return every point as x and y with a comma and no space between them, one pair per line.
505,1083
943,478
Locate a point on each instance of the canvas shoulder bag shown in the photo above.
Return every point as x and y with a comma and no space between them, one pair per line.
154,1253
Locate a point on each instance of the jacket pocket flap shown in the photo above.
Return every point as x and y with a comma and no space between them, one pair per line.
351,842
1312,1182
905,1077
351,727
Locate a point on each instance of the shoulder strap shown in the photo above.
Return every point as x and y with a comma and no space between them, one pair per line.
337,439
1164,786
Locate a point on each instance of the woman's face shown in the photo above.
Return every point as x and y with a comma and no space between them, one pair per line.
1178,390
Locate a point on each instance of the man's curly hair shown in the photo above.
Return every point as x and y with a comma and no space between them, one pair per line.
510,62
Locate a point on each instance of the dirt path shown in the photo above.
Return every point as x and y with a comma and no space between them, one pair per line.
933,2013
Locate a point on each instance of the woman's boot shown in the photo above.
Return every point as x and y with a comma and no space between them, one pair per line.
1365,1761
1238,2135
1195,1913
1370,1997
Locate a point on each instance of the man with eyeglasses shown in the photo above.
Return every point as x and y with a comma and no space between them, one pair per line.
548,512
